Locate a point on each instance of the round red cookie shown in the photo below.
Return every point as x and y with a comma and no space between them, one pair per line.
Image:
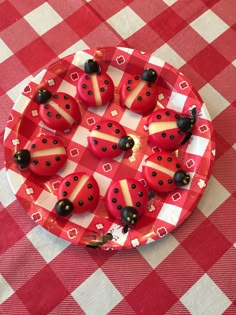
139,93
45,156
163,173
59,111
78,192
169,129
108,139
127,199
94,88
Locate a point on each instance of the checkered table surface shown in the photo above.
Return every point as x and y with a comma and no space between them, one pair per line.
189,271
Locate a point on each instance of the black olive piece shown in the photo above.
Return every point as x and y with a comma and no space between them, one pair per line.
128,88
126,143
139,98
178,165
55,142
84,86
33,146
185,123
106,82
119,207
133,186
49,114
98,127
169,159
95,142
64,207
114,200
172,137
46,106
130,81
102,89
55,95
35,162
44,140
90,92
91,66
116,190
57,158
154,174
129,215
64,194
140,194
136,77
75,178
90,198
114,146
47,163
163,134
58,116
148,93
22,158
66,97
167,113
43,96
160,182
67,106
170,181
67,184
149,75
117,131
109,125
89,186
181,178
159,158
138,204
104,149
81,203
158,116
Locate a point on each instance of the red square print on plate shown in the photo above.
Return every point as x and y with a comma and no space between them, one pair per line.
42,292
84,21
196,79
208,62
10,232
36,55
206,239
11,17
167,24
158,297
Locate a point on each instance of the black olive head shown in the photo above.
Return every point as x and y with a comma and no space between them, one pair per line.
185,123
64,207
129,215
181,178
91,66
149,75
43,96
22,158
126,143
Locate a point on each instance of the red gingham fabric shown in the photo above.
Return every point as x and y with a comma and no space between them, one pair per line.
192,269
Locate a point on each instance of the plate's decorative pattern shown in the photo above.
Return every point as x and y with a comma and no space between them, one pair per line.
99,230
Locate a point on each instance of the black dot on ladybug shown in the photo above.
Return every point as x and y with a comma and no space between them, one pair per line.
58,116
140,194
167,113
57,158
67,184
148,93
66,97
139,98
90,92
44,141
149,84
170,181
114,200
55,142
117,131
116,190
178,165
169,159
133,186
33,146
136,77
106,82
89,186
119,207
160,182
35,162
80,203
172,137
128,88
130,81
114,146
177,116
102,89
49,114
159,158
138,204
109,125
64,193
46,106
104,149
67,106
90,198
87,77
98,127
158,116
55,96
75,178
84,86
180,132
95,142
154,174
163,134
47,163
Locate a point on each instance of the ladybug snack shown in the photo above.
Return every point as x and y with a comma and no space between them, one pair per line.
59,111
94,87
139,93
108,139
127,200
168,129
78,192
163,172
45,156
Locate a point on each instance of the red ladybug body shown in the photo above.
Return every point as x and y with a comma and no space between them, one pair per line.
45,156
168,129
162,172
95,88
127,199
78,192
139,93
59,111
108,139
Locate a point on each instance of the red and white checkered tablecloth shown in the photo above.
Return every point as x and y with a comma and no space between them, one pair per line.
192,270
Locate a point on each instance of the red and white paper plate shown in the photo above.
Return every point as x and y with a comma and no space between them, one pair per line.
165,212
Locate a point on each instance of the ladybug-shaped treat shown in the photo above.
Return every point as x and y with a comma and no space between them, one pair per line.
94,88
169,129
45,156
127,200
78,192
58,111
163,173
139,93
108,139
